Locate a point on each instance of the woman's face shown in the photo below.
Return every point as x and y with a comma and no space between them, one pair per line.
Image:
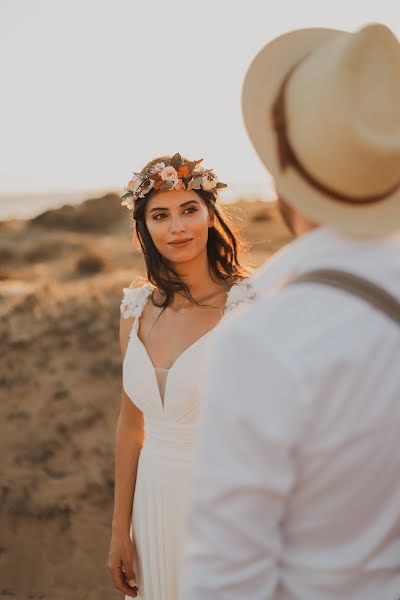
178,223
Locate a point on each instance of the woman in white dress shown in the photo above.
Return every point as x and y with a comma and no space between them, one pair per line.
194,277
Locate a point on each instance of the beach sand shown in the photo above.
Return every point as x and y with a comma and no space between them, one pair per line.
61,280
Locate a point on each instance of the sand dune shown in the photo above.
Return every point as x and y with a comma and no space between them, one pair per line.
61,279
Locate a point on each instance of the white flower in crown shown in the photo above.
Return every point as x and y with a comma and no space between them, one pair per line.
179,185
134,184
157,168
198,170
128,202
209,181
169,174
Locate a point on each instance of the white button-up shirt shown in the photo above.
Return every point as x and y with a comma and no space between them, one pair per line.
296,491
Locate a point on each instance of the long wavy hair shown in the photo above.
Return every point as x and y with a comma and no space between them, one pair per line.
224,246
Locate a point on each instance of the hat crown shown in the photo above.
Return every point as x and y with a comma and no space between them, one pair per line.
343,112
374,60
322,108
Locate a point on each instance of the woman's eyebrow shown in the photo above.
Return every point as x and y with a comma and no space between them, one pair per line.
190,202
183,204
157,208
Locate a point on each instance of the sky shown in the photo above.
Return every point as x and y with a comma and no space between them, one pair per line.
91,90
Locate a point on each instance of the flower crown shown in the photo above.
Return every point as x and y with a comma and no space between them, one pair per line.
176,174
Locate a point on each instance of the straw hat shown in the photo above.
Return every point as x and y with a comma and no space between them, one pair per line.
322,109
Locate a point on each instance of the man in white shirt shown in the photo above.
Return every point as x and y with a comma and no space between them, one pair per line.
296,491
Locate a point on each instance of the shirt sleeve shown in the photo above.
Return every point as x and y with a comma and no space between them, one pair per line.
244,470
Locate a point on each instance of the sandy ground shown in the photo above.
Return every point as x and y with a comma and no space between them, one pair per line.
61,279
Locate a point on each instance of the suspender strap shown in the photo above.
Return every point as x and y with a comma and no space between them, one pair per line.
355,285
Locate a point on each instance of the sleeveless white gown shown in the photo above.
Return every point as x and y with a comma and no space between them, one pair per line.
165,461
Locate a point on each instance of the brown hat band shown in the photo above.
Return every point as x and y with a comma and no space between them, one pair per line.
288,158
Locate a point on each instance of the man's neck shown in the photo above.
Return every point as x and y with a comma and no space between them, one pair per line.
304,227
297,223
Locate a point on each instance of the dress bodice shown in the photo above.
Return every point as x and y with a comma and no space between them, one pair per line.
179,401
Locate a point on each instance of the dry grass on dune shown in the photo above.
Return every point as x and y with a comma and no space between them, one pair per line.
61,279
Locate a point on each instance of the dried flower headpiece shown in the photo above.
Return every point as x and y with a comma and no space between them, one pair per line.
177,174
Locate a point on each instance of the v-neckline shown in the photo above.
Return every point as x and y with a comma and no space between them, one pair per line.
136,327
192,345
176,361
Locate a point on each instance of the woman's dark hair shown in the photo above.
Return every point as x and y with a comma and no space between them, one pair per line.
223,248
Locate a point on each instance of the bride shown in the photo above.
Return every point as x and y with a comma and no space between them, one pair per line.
193,278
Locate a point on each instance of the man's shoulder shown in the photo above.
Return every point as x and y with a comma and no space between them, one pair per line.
306,317
306,320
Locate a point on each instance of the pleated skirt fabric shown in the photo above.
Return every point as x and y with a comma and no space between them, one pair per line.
159,518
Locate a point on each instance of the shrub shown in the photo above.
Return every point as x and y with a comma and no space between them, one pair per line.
45,250
6,274
262,215
5,255
91,262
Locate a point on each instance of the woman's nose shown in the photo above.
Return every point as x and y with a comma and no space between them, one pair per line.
177,225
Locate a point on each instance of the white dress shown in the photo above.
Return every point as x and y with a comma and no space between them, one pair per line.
169,400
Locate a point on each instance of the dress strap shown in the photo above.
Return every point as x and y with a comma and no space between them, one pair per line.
133,302
241,292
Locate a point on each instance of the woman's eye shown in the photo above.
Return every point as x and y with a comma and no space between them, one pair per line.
160,216
191,210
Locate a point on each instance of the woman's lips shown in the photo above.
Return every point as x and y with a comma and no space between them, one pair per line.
181,242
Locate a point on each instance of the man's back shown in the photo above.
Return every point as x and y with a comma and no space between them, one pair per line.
320,406
344,513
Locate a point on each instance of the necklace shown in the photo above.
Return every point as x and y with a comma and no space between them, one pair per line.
186,301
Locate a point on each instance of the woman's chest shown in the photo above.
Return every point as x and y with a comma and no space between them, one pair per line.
168,334
180,400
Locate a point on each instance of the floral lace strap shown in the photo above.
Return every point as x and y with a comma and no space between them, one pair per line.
239,293
134,300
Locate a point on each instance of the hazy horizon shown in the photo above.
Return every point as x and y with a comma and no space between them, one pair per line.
28,205
93,90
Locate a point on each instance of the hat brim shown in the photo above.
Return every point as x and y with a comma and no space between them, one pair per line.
261,85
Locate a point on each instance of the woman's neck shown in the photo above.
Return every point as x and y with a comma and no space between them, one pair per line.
196,275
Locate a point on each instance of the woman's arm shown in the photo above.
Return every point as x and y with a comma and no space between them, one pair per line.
128,443
122,562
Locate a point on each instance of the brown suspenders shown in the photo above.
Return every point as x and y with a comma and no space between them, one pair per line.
355,285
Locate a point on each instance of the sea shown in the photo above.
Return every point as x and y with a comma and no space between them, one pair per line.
28,205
